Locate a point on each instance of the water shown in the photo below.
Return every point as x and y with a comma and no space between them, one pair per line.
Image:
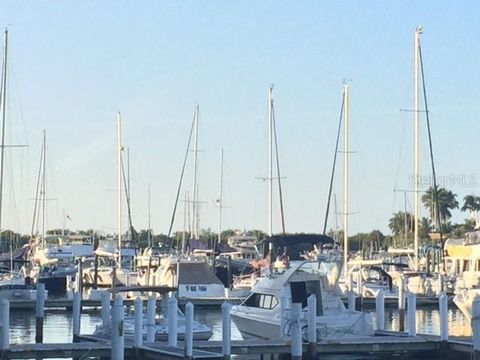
58,324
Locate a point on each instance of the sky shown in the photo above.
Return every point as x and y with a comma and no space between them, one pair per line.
73,65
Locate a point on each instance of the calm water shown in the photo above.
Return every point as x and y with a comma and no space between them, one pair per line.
58,324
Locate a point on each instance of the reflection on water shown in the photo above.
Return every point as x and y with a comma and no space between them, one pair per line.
58,324
428,321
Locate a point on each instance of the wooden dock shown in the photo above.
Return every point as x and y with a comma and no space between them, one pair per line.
387,343
383,343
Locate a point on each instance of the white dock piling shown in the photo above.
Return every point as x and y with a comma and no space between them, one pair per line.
350,282
40,311
296,344
359,284
401,294
226,331
443,308
440,285
76,314
284,303
351,300
411,310
4,325
312,319
106,309
380,309
151,304
118,341
138,322
188,330
476,328
172,321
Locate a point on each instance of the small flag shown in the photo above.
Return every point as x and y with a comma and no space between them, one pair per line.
68,217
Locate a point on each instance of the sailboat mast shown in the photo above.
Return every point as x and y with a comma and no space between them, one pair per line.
406,218
346,91
3,92
119,191
44,186
149,219
416,161
194,202
270,161
220,200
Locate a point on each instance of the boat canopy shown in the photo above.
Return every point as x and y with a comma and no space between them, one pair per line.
296,244
19,255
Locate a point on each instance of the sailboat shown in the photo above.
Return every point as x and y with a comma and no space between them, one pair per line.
112,271
52,257
14,286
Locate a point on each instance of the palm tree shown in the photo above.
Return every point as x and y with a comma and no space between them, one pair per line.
446,201
471,203
397,223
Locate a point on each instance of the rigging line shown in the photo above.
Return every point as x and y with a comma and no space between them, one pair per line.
36,208
282,213
333,167
4,105
180,182
129,210
435,188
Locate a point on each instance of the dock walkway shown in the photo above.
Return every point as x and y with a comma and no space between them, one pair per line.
392,343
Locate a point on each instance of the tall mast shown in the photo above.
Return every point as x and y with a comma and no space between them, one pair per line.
405,218
346,90
149,219
44,186
120,190
195,195
3,94
416,161
270,161
220,200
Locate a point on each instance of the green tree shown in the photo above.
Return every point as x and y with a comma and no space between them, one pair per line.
471,203
446,201
397,223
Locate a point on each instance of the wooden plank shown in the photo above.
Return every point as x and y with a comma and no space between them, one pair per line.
59,350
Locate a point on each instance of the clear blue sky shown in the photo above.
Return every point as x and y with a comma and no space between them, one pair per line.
75,64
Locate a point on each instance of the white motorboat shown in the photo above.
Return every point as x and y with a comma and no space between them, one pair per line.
200,330
260,313
193,278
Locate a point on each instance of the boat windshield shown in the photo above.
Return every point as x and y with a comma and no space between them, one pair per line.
319,267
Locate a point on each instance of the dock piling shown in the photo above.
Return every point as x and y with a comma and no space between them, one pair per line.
476,328
76,314
4,325
284,303
118,341
226,331
296,344
40,311
411,310
188,330
443,308
106,309
351,300
440,285
360,286
172,321
312,319
151,304
138,323
401,303
380,309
